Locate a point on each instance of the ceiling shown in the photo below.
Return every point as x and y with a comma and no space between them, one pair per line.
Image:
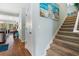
12,8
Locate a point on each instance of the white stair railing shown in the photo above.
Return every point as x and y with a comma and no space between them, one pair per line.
76,24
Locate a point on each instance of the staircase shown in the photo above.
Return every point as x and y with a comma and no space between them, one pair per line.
66,42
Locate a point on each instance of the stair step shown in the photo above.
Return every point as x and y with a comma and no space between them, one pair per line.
68,33
67,26
55,48
69,23
63,51
68,38
66,29
70,20
52,53
67,44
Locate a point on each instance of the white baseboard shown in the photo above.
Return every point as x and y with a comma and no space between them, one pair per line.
48,46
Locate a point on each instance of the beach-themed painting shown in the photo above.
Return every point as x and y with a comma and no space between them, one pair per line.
44,9
49,10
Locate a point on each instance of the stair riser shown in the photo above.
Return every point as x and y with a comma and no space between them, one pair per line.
72,25
70,20
67,26
66,29
69,34
68,39
68,23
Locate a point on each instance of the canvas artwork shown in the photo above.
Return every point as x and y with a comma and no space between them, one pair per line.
44,9
49,10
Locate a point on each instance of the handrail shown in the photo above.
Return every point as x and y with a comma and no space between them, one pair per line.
76,24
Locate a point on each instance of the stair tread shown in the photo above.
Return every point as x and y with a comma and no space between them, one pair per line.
66,28
71,17
68,32
53,48
68,25
63,50
67,42
70,20
67,36
52,53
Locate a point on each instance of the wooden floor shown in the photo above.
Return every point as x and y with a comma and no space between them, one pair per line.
18,49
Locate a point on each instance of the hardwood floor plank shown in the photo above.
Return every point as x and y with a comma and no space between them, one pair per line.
18,49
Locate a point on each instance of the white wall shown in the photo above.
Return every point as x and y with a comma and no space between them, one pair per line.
46,29
71,8
43,29
63,12
12,7
30,38
23,22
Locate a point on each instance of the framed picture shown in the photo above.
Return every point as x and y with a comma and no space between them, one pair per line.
49,10
44,9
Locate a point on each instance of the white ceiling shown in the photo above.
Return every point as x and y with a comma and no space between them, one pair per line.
13,7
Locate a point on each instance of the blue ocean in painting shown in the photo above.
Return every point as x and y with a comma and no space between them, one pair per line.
44,6
54,7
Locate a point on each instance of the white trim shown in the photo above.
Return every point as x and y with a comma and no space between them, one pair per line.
8,21
76,23
48,46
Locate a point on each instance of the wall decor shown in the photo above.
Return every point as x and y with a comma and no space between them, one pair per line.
44,9
49,10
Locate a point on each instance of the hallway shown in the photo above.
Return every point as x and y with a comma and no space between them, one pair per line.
17,49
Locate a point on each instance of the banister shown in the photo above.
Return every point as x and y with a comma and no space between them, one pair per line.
76,24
